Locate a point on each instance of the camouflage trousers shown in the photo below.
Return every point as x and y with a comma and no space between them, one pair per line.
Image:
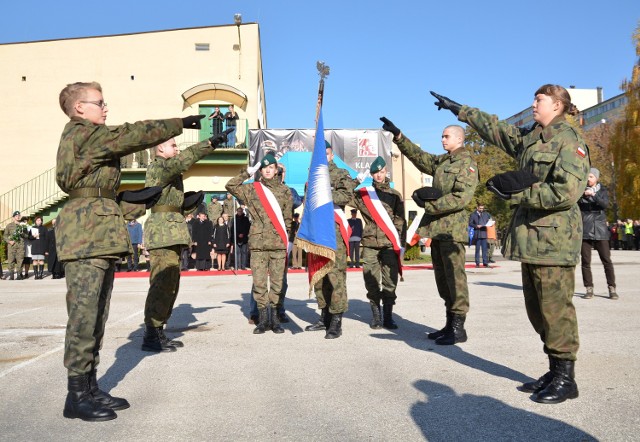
89,286
548,294
15,256
271,264
164,283
448,259
333,286
380,271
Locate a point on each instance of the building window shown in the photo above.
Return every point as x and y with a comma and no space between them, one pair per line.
202,46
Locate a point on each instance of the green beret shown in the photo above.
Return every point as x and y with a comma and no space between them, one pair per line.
327,145
268,159
377,165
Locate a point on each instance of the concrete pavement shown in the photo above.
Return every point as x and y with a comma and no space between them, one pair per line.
379,385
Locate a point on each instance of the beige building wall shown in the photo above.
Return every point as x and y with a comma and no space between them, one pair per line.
143,76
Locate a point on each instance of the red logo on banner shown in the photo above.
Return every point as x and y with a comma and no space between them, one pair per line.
366,148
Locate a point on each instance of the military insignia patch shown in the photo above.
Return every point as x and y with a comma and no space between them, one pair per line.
265,162
472,170
581,152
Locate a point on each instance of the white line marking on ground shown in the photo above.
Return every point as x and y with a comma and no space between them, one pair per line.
21,312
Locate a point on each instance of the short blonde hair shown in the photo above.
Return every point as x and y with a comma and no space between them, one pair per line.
74,92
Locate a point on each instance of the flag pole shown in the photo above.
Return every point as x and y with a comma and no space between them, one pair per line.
323,72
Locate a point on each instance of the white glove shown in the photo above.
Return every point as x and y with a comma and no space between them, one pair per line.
362,176
251,170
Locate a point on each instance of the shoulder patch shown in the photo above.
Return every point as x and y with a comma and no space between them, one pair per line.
581,151
471,169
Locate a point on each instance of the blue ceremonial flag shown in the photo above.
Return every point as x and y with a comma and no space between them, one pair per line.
317,235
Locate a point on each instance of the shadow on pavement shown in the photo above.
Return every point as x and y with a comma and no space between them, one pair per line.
445,415
129,355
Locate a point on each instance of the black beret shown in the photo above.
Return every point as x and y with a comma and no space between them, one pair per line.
424,194
512,182
148,196
192,200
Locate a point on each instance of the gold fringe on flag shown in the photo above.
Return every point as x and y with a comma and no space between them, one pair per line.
315,249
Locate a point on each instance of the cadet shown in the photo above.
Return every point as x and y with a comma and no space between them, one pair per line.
545,234
166,234
91,234
384,235
455,178
214,209
270,206
14,236
331,290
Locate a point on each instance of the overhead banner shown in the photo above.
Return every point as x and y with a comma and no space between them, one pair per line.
354,150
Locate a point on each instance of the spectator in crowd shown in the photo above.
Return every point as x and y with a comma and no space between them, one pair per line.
241,227
38,237
185,254
53,263
492,239
231,118
26,261
354,241
135,235
628,234
593,204
296,252
221,241
636,234
613,229
202,231
15,235
478,220
217,119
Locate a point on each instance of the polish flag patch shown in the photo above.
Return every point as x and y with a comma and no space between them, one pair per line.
581,152
472,170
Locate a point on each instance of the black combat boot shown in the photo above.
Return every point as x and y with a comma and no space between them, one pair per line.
436,334
388,322
376,321
153,342
19,277
335,328
540,384
263,322
104,398
275,321
321,324
167,341
562,386
456,333
81,404
11,275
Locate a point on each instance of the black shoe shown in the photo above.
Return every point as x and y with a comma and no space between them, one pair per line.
388,321
263,322
491,261
80,403
541,383
275,321
19,278
456,333
562,386
436,334
477,266
167,341
104,398
335,328
321,323
283,318
376,320
153,342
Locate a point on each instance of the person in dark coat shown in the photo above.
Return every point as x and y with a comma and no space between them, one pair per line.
478,221
241,226
53,264
38,237
595,233
221,240
201,234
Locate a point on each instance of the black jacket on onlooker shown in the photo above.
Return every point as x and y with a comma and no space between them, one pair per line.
594,218
39,245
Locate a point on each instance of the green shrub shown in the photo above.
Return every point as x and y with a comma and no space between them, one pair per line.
412,253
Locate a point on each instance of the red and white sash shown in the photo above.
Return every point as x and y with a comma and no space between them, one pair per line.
271,206
382,219
341,220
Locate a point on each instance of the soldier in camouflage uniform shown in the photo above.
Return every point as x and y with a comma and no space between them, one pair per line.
455,175
214,209
228,206
381,265
166,234
331,290
91,233
545,233
268,248
15,245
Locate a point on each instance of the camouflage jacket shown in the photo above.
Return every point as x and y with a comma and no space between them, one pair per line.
89,156
165,229
456,175
391,200
227,207
214,211
342,187
546,227
262,234
10,230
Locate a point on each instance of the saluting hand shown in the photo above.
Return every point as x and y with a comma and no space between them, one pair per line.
389,126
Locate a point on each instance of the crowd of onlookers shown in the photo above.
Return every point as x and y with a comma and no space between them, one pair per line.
625,234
